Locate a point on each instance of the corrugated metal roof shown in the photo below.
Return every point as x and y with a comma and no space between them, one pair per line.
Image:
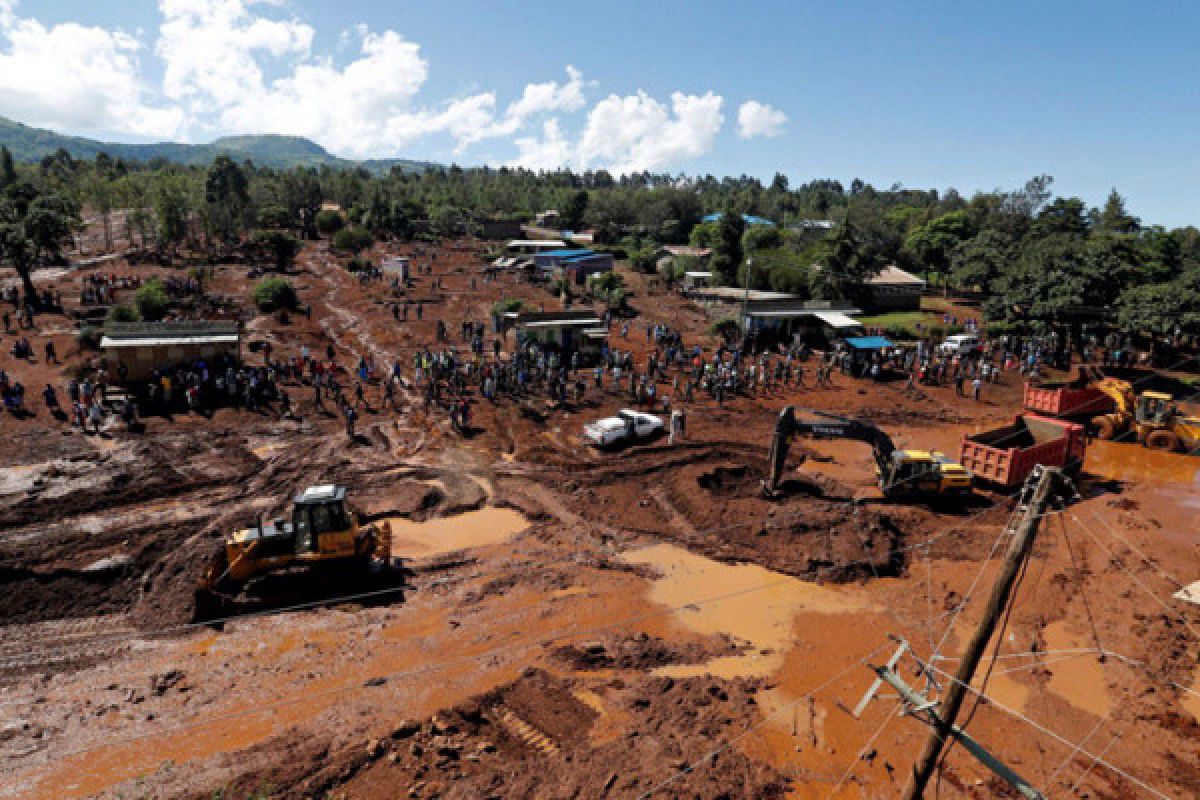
567,253
836,319
149,341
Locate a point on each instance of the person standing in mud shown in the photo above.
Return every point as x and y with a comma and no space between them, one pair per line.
351,415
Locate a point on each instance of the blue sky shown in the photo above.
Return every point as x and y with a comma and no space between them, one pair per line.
970,95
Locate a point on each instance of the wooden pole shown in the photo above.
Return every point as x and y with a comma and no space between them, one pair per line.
1035,503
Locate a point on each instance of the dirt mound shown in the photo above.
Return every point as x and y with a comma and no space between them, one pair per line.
542,736
641,652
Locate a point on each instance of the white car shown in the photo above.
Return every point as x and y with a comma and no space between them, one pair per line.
963,344
627,424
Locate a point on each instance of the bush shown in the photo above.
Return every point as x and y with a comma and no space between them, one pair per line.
728,328
352,240
358,264
273,293
507,306
330,222
122,313
152,300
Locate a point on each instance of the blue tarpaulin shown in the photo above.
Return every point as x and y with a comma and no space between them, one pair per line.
868,342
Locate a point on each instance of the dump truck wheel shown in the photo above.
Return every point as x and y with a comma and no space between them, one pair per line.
1162,440
1105,428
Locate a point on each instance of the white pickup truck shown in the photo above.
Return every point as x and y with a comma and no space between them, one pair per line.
627,424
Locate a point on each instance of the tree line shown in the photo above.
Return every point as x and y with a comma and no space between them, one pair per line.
1029,253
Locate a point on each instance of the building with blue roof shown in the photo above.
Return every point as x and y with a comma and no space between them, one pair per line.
749,219
577,263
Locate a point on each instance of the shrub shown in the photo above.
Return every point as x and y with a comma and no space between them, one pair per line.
273,293
352,240
152,300
728,328
507,306
330,222
122,313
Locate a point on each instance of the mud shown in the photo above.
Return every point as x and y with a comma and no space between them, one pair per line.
571,623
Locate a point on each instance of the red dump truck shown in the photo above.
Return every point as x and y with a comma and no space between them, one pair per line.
1005,456
1067,399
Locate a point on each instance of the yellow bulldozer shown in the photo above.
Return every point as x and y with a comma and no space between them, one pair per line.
322,532
1152,417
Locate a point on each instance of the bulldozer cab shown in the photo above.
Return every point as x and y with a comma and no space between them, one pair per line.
1155,408
321,522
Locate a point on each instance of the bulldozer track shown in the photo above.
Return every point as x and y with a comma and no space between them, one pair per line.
56,643
525,732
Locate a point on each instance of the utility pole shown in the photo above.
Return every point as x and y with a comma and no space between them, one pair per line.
1035,497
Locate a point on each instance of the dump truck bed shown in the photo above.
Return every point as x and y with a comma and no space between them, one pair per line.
1006,455
1066,400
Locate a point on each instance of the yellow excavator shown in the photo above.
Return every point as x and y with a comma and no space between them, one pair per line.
901,473
322,531
1153,417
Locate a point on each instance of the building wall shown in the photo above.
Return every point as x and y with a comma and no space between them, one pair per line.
142,361
896,298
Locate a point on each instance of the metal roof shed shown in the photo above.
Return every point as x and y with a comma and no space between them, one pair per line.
868,342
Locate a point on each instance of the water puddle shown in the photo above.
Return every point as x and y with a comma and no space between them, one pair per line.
1079,681
443,535
1128,461
753,605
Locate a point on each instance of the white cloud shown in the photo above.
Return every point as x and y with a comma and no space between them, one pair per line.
759,119
636,133
75,77
550,152
247,66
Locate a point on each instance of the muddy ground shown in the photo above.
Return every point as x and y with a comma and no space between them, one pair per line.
650,626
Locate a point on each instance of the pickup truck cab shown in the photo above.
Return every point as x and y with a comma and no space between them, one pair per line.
963,344
626,425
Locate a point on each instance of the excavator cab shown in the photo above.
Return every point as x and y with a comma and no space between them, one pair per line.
923,472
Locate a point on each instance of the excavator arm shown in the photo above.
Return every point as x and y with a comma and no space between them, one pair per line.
828,426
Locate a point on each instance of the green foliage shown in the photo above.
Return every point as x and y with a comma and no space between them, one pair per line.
283,247
352,240
703,235
508,305
274,293
1161,308
122,313
152,300
644,259
330,221
933,245
779,269
849,258
446,221
728,328
727,247
226,198
571,217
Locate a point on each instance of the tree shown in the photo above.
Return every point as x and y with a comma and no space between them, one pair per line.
727,247
848,260
980,261
352,240
283,247
446,220
274,292
330,221
571,217
226,197
1113,218
933,244
152,300
1162,308
1065,215
172,209
8,170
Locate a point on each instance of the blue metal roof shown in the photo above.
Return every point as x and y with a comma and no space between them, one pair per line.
749,219
568,253
868,342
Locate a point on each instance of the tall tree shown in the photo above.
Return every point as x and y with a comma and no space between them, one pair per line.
1113,218
727,247
226,197
573,212
8,170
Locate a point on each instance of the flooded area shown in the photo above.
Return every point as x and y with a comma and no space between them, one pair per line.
444,535
753,605
1080,680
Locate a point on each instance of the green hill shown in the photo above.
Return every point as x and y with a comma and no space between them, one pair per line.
268,150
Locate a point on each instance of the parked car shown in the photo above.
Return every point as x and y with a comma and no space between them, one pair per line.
626,425
963,344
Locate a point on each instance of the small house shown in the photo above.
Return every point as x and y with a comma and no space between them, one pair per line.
564,332
137,349
577,264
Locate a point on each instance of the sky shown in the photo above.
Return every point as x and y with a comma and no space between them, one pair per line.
975,96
